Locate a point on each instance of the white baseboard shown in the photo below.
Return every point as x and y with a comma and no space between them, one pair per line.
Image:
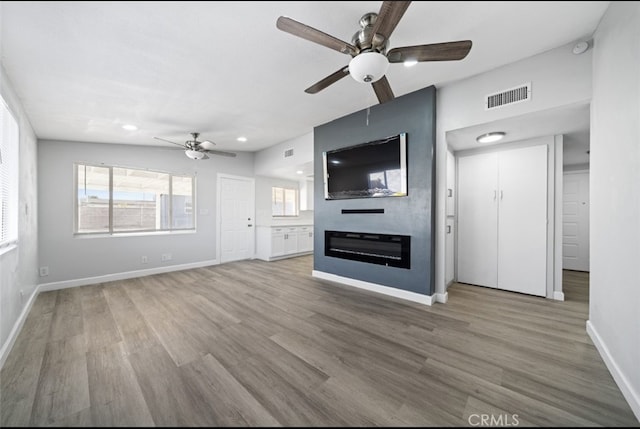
46,287
386,290
442,297
558,296
630,394
17,327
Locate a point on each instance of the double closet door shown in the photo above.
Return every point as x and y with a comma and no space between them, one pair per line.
502,220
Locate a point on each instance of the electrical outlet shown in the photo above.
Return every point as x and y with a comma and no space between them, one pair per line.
166,257
44,271
144,260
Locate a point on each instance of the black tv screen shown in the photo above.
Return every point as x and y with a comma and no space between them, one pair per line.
368,170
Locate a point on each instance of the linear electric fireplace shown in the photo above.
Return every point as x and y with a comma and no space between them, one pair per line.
383,249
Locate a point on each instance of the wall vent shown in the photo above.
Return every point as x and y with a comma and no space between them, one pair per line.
288,153
514,95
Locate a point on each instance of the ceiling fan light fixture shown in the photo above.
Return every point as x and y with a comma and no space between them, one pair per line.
194,154
491,137
368,67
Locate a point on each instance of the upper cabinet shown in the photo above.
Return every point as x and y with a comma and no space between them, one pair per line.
306,194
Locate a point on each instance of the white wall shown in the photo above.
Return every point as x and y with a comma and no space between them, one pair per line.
270,162
451,232
263,203
614,300
558,78
71,258
18,267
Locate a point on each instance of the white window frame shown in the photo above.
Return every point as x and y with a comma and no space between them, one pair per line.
296,203
111,232
9,170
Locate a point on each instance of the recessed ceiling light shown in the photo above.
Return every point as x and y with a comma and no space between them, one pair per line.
129,127
242,139
491,137
299,172
410,63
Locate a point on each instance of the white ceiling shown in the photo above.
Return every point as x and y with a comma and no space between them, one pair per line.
83,69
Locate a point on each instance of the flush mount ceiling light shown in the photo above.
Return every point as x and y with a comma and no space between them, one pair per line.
580,48
194,154
129,127
242,139
490,137
368,67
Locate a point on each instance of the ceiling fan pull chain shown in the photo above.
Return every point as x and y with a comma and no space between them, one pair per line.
368,111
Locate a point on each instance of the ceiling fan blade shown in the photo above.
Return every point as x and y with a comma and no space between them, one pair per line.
169,141
206,145
331,79
383,90
205,156
221,153
389,16
448,51
311,34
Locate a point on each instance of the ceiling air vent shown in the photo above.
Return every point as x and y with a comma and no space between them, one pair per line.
288,153
508,96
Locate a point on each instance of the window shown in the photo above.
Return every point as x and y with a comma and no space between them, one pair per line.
9,141
284,202
118,200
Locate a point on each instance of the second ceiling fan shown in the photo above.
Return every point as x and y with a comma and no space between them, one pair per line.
368,48
196,149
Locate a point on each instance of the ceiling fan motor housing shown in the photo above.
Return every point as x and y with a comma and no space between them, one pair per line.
364,40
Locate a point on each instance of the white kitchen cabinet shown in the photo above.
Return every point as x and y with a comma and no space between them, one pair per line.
290,240
305,239
283,241
306,194
502,219
277,242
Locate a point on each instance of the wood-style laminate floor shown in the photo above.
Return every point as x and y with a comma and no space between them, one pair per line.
256,343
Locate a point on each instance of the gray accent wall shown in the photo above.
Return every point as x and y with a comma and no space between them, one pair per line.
412,215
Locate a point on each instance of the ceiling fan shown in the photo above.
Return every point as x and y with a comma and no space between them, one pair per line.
195,149
368,48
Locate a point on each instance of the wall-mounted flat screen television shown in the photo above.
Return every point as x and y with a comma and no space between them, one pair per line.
374,169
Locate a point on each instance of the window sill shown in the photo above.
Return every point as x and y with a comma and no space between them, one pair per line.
8,248
132,234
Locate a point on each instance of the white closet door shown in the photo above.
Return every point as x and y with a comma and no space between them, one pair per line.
478,219
522,220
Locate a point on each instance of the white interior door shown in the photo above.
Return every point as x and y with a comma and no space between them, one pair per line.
478,219
575,221
522,220
237,226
